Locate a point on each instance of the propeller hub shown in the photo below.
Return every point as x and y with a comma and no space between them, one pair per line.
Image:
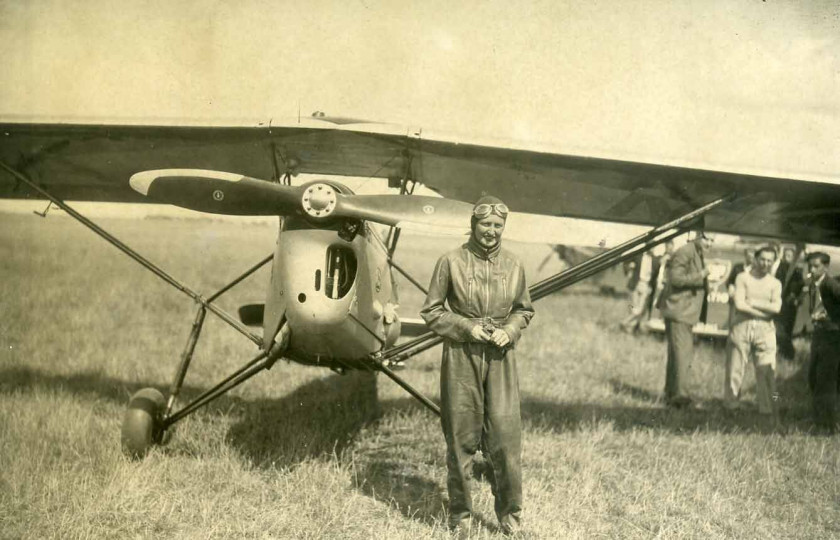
319,200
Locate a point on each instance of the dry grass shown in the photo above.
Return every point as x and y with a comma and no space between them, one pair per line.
302,453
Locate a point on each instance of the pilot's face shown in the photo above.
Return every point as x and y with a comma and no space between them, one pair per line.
764,261
488,230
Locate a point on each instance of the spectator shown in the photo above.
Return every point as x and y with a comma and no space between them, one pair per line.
683,304
824,293
752,334
792,282
777,247
737,268
640,285
661,272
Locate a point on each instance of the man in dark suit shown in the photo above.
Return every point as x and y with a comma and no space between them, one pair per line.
683,304
824,294
792,282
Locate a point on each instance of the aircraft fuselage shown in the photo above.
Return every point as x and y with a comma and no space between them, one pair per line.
336,296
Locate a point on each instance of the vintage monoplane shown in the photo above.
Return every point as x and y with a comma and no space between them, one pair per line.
330,300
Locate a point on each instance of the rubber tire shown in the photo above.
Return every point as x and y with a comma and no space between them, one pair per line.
141,423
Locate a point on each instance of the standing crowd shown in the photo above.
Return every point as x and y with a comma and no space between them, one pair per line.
764,294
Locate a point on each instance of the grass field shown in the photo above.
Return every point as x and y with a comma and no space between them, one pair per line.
302,453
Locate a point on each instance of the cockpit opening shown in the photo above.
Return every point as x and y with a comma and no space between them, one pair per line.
341,271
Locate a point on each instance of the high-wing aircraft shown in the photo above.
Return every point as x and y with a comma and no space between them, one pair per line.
330,300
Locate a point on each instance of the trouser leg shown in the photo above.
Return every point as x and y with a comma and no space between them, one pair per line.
680,355
826,363
736,360
764,345
502,439
784,330
462,413
765,388
638,306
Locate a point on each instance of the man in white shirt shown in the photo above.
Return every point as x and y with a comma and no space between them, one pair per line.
758,298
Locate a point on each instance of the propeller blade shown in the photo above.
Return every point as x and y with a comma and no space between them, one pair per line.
217,192
396,209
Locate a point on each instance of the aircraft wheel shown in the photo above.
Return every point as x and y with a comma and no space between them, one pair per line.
141,427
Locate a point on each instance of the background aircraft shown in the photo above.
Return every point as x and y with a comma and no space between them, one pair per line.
330,301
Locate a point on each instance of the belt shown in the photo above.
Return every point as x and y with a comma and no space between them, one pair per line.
489,324
493,320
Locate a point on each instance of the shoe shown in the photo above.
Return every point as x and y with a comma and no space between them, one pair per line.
731,405
768,423
511,527
679,402
519,534
462,529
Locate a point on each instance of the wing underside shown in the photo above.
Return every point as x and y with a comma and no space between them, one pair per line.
94,162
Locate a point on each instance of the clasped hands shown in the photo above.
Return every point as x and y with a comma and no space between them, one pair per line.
499,337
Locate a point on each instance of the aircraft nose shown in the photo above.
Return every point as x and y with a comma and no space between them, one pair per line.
319,200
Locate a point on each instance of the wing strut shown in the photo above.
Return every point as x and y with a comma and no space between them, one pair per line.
407,186
384,368
229,319
570,276
405,274
186,356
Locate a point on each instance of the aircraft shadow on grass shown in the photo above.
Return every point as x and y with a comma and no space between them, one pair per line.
708,416
326,415
320,417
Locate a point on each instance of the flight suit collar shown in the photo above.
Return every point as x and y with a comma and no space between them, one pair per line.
479,251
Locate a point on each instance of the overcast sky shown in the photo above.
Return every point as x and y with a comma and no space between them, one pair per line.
731,84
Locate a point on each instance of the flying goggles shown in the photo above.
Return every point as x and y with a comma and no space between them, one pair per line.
483,210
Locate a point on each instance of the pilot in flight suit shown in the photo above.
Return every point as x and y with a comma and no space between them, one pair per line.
479,303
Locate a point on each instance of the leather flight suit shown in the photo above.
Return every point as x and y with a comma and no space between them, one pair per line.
479,384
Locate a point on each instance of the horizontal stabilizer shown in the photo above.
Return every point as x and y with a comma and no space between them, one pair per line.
252,314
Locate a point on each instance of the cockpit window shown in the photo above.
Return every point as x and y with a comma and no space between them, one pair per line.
341,271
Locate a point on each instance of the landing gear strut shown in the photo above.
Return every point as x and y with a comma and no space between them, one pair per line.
149,416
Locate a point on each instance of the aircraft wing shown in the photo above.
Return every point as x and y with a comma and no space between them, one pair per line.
639,193
93,161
